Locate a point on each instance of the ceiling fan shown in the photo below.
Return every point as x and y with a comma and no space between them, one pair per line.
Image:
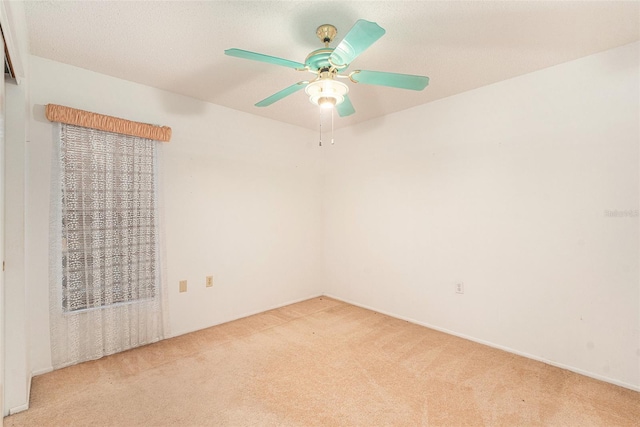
327,64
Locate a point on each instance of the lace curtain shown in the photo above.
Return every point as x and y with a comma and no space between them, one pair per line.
105,267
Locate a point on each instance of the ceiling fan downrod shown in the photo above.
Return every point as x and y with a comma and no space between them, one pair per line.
326,33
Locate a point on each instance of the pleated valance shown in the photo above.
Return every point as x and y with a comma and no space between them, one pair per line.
72,116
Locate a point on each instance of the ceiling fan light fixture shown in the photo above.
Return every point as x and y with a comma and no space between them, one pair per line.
326,92
327,102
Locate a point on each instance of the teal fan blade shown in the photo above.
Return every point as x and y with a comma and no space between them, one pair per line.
362,35
279,95
380,78
245,54
345,108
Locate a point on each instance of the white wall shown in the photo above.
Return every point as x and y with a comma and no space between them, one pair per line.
504,188
2,239
240,200
17,359
17,370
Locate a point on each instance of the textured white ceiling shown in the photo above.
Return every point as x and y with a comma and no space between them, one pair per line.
179,46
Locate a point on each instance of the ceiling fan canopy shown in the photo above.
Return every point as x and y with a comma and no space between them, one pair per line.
327,64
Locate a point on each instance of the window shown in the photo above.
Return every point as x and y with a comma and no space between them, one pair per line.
105,276
109,250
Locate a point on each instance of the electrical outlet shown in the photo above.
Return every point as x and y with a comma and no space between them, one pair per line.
209,281
460,288
183,286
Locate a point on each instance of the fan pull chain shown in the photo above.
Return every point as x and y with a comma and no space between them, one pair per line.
332,125
320,127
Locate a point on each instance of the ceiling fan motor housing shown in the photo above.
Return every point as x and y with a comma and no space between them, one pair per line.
319,59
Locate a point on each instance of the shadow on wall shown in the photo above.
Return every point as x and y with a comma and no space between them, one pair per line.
38,113
182,105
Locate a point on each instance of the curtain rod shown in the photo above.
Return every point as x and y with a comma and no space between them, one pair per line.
72,116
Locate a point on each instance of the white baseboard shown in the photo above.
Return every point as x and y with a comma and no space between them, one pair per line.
242,316
24,406
498,346
172,335
408,319
41,371
18,409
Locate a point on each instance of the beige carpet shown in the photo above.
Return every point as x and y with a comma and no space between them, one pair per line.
322,363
